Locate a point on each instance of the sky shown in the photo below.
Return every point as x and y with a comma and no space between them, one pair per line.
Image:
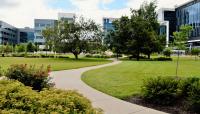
21,13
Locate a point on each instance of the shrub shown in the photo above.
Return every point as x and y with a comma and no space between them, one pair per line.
167,52
97,56
18,55
162,59
160,90
186,85
19,99
193,99
30,76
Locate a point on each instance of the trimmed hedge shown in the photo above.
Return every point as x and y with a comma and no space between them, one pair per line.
163,59
19,99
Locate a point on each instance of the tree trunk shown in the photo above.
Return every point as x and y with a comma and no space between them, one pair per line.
177,64
149,56
76,56
138,56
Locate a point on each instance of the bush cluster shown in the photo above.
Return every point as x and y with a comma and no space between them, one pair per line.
30,76
97,56
161,91
167,52
168,90
19,99
101,56
163,59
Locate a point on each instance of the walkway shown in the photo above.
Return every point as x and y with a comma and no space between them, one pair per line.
71,80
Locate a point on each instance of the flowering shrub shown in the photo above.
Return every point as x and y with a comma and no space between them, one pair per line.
30,76
16,98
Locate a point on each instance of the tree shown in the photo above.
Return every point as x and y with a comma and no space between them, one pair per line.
49,35
180,40
144,31
30,47
74,37
167,52
5,49
116,39
137,35
152,41
20,48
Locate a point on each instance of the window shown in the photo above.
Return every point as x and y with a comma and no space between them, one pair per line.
42,25
37,24
39,37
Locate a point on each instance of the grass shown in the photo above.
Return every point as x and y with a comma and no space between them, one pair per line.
55,63
125,80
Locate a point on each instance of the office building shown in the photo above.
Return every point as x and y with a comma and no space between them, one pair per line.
189,14
186,14
39,25
108,24
26,35
8,34
167,19
70,17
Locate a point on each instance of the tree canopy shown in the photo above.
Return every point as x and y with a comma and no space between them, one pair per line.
138,34
75,37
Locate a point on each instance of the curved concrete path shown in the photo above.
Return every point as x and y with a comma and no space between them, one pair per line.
71,80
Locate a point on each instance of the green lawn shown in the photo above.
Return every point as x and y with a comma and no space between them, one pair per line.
56,63
126,79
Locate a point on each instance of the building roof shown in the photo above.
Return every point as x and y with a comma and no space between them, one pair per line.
66,15
184,4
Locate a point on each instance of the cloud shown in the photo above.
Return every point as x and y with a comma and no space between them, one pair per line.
21,13
8,3
161,3
26,11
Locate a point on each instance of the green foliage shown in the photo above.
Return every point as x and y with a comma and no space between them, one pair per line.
136,35
195,52
182,36
30,76
1,72
168,90
167,52
20,48
163,59
193,99
186,85
97,56
6,48
17,98
161,90
74,37
116,40
30,47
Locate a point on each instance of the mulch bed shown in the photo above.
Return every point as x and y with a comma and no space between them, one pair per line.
175,109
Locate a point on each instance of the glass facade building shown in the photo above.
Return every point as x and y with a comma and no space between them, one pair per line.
8,34
171,17
189,14
167,19
41,24
107,24
26,35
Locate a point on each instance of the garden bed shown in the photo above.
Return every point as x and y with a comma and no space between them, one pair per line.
175,109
